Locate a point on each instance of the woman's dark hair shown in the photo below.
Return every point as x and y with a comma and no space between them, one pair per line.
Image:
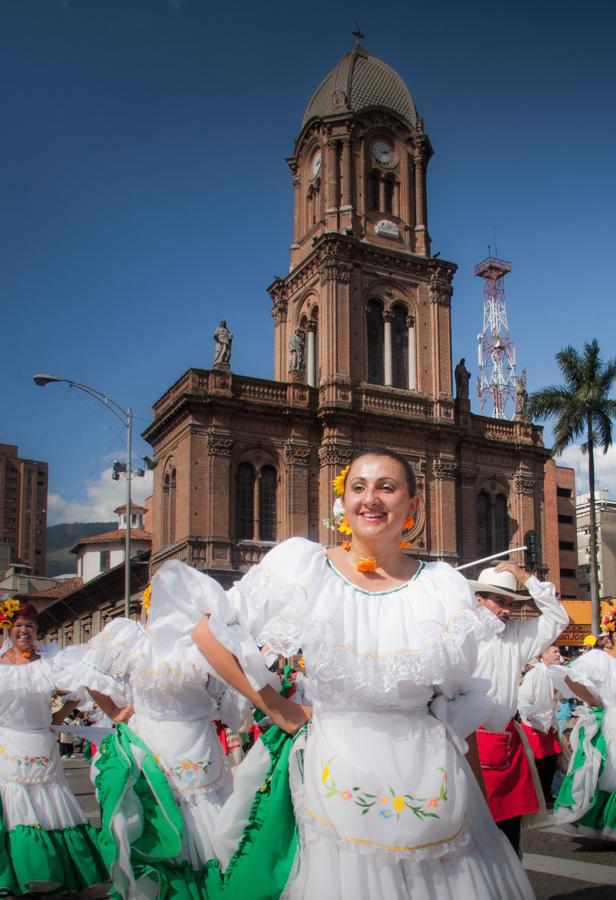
27,611
402,461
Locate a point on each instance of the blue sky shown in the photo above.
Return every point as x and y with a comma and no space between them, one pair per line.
145,194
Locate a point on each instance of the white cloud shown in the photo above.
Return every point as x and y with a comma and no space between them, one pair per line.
605,468
97,499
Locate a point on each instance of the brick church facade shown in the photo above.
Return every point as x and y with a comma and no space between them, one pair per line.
362,357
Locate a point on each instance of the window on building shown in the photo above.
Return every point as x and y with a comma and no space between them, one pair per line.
375,341
568,573
399,348
565,520
255,503
484,525
244,502
105,561
389,195
566,545
563,492
169,505
501,524
374,189
492,524
267,503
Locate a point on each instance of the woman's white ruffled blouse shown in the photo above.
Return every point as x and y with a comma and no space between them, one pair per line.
385,796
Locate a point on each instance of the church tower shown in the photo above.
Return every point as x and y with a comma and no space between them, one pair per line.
363,358
364,303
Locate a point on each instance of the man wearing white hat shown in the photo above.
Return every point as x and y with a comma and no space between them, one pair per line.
504,763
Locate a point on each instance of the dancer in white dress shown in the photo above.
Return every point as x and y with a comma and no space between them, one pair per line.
387,805
174,698
46,843
586,801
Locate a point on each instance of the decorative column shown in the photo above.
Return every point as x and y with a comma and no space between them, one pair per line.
297,513
412,353
347,199
420,207
296,208
218,524
332,458
311,353
445,509
388,363
331,176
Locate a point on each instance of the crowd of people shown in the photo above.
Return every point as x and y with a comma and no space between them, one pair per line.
398,757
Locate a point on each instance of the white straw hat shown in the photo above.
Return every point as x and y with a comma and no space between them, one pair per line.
493,582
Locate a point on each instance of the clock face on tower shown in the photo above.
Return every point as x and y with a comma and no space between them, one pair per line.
316,164
383,152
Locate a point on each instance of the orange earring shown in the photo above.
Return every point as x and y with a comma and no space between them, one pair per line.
410,521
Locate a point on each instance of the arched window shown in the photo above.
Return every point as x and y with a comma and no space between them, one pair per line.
389,194
492,524
399,348
501,524
374,191
484,525
267,503
375,342
244,502
168,505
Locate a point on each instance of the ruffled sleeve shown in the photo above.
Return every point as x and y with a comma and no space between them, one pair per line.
462,701
102,664
593,671
18,682
271,600
181,597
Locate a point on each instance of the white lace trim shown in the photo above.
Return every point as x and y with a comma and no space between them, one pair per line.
286,603
124,651
38,677
349,673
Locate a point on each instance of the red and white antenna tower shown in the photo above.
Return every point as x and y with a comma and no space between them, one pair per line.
495,352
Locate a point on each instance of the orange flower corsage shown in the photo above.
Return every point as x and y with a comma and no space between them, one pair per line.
367,564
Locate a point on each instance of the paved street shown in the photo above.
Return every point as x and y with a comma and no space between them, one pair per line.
560,866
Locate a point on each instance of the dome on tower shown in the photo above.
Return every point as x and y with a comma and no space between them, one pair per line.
361,81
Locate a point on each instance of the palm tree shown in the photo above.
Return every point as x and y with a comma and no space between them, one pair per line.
582,408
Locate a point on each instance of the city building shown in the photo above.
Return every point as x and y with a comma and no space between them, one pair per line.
99,553
362,357
605,518
560,515
23,508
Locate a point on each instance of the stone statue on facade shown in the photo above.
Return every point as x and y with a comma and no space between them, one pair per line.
297,355
223,339
463,376
521,396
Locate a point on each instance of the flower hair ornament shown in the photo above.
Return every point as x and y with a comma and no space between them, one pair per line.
146,600
8,612
341,523
608,623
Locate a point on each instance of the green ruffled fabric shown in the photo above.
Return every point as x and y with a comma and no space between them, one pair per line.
602,812
33,860
261,865
121,783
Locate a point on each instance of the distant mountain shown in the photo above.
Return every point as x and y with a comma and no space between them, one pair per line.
60,539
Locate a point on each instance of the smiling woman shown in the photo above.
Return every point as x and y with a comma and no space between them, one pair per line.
385,802
43,832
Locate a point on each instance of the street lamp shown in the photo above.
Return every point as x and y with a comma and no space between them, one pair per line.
126,417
